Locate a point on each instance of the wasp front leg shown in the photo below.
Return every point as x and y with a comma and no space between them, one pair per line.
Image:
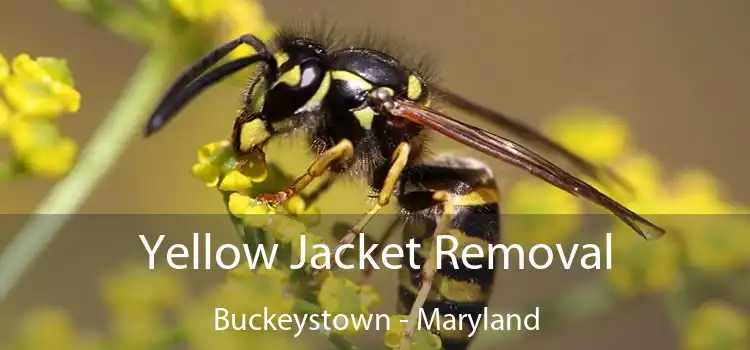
341,152
398,163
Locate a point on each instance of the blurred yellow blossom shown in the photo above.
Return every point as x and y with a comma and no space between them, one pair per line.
697,192
339,295
48,329
715,243
640,266
37,91
422,339
133,287
540,214
713,235
595,135
229,18
4,69
245,293
719,326
5,118
643,173
137,328
198,10
240,17
138,299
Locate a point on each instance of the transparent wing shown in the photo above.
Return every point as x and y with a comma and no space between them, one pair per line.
601,174
521,157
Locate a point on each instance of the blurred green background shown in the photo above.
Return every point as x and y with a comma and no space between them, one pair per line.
675,70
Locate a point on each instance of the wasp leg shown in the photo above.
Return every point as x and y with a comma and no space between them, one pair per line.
365,277
429,270
400,158
341,152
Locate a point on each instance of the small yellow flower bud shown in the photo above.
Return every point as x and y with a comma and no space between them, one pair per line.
206,173
52,161
28,135
238,204
69,98
235,181
33,98
24,66
207,151
38,144
295,205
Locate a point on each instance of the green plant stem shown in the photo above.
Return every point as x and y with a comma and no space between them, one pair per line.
103,150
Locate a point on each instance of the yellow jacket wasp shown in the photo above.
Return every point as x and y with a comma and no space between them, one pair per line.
366,114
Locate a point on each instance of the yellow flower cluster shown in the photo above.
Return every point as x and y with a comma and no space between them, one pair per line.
231,18
51,329
216,162
143,304
138,300
594,135
36,93
702,230
339,295
716,325
245,292
540,214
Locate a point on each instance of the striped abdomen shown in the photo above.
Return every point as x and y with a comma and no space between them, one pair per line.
457,290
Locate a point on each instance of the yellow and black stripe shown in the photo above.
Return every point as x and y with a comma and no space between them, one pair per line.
474,198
